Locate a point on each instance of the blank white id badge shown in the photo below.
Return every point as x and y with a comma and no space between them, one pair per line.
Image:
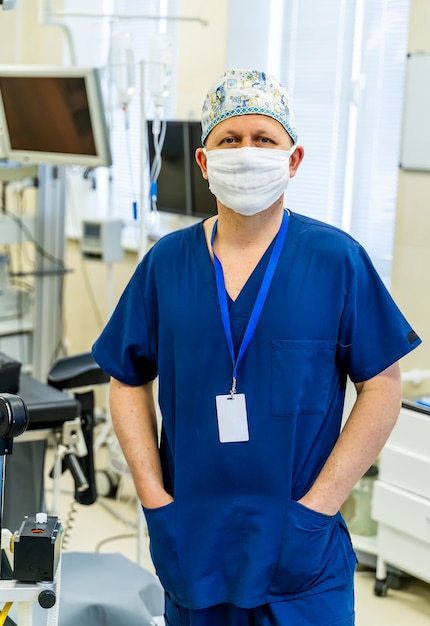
232,418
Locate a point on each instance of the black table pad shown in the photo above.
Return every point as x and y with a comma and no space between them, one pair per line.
47,407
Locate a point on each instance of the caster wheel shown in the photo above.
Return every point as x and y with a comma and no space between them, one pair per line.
381,588
106,484
394,582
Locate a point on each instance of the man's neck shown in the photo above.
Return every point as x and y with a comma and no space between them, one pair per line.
239,230
241,242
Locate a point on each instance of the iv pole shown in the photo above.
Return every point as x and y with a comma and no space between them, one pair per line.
49,17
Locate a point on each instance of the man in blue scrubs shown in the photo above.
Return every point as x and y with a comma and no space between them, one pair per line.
252,320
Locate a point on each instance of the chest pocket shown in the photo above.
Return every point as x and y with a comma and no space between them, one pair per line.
301,374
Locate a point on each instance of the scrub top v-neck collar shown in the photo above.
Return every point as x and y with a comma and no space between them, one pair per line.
249,290
240,308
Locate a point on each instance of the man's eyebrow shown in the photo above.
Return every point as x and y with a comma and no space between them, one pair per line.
227,130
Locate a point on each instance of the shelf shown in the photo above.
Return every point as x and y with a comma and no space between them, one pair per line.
10,172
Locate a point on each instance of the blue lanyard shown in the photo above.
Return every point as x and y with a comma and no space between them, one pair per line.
259,302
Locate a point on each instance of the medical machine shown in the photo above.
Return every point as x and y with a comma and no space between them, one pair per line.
101,239
53,115
33,554
181,187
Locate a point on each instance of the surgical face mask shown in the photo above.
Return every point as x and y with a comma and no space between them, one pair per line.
248,180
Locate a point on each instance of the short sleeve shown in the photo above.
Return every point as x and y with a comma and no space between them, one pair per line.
125,349
374,334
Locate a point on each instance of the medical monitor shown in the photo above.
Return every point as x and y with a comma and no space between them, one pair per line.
181,186
53,115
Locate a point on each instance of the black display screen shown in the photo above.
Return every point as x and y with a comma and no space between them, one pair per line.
181,187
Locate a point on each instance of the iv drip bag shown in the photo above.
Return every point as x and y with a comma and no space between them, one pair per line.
122,61
160,67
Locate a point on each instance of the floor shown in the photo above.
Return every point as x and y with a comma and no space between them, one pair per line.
109,525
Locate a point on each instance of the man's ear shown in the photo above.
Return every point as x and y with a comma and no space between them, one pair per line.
295,160
201,162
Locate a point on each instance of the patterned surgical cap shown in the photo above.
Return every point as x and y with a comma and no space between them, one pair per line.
244,92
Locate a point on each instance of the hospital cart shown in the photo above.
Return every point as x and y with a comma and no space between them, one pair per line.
401,498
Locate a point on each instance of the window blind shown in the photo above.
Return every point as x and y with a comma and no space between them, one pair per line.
379,125
344,65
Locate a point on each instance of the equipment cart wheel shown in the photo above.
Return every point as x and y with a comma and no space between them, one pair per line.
386,578
107,483
381,587
394,581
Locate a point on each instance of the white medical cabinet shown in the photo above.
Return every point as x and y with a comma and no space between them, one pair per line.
401,498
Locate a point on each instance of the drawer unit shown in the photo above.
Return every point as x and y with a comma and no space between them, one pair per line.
401,498
402,510
412,431
405,469
404,552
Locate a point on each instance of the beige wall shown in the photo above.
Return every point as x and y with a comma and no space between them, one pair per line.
88,289
410,273
23,39
202,53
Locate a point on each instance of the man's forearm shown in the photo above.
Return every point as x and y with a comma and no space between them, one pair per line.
135,424
367,429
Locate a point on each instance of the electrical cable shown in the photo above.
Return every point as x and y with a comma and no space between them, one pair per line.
110,539
18,219
19,259
39,248
23,230
92,298
84,271
68,524
20,317
4,612
59,349
114,512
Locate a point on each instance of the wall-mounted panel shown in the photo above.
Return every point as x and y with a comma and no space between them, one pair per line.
415,149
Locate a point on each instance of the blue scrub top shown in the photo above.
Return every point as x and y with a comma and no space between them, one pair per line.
235,532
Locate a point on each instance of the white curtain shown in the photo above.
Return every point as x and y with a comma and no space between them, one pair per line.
344,62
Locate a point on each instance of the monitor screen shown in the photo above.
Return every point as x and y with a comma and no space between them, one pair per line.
181,187
204,202
53,115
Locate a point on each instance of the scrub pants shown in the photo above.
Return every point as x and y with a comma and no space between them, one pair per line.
331,608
